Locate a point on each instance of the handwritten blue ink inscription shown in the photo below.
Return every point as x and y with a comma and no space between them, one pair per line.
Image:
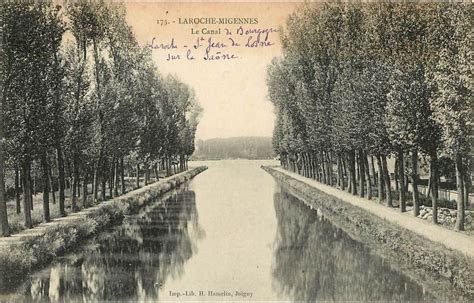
220,44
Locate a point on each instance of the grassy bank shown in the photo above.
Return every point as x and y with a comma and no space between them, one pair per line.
16,220
36,247
17,260
448,272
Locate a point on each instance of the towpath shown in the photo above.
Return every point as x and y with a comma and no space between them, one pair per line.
40,229
451,239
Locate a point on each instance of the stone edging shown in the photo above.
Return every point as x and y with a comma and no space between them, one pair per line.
447,270
23,252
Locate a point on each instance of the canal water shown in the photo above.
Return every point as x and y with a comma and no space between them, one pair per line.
232,233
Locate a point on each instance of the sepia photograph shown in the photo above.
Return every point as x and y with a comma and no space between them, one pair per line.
241,151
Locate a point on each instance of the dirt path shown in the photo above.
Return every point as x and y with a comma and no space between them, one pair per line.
449,238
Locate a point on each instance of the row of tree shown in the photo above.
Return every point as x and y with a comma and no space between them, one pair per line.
372,81
78,94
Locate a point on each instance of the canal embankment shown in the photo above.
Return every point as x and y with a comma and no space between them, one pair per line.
30,249
442,257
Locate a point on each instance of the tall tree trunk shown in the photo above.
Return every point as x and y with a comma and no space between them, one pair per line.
298,164
138,176
147,172
116,178
295,161
323,169
388,186
352,171
95,185
467,186
329,168
434,186
414,180
84,190
51,185
27,194
61,182
460,188
380,179
307,161
305,165
45,183
168,166
396,174
349,178
369,179
401,176
302,164
361,163
122,176
74,187
343,171
17,190
103,181
357,169
308,165
338,175
181,161
111,179
4,227
405,179
375,181
32,191
317,167
33,181
78,185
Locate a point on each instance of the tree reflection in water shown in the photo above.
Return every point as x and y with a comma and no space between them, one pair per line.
316,261
130,262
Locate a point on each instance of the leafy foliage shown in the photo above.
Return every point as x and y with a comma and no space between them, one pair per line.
378,79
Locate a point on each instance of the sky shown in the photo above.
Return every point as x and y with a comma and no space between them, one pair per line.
232,92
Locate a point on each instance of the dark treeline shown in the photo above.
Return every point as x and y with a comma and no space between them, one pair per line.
234,148
83,102
359,83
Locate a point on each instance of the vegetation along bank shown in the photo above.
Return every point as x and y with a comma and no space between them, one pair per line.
83,110
446,270
33,248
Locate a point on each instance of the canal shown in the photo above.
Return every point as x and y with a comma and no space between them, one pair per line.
232,233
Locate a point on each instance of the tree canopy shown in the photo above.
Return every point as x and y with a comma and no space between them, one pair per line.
373,81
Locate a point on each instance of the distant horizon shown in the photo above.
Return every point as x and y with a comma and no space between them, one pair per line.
246,147
233,137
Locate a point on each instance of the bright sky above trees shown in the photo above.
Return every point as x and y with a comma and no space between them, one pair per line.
233,94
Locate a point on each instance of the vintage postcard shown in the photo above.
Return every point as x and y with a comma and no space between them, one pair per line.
162,151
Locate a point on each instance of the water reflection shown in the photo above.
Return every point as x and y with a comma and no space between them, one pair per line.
131,262
316,261
270,245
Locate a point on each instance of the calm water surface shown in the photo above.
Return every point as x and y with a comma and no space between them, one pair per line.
231,233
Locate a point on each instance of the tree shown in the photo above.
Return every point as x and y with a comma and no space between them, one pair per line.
29,53
96,100
451,102
374,80
4,228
